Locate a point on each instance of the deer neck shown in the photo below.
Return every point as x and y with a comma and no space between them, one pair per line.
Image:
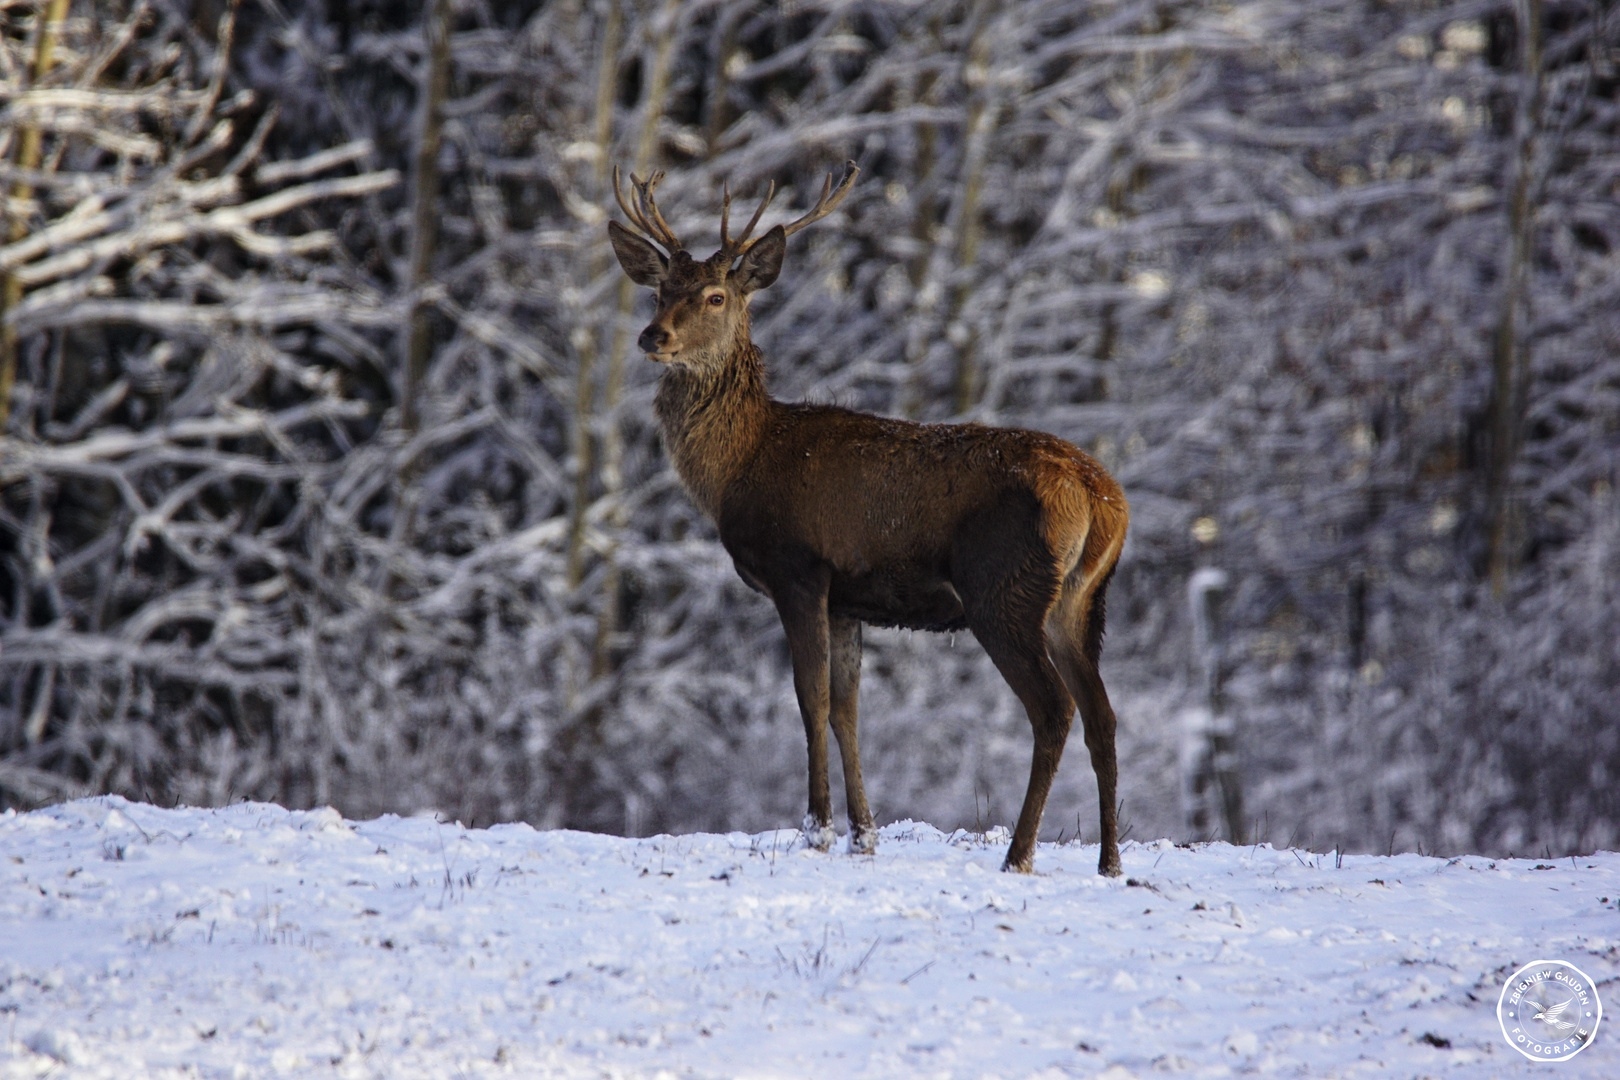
713,421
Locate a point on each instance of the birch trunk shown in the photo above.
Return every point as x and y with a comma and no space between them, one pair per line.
28,153
666,27
587,335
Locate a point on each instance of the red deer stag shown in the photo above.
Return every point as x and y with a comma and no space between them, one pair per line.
843,518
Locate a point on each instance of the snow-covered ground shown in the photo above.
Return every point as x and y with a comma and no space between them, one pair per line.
257,942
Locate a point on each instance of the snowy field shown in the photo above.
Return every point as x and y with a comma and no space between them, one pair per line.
257,942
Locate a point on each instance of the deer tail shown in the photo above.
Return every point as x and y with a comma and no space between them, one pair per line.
1075,623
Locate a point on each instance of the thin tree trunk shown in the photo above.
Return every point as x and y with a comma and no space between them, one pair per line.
612,442
28,150
576,745
982,116
1510,352
1211,778
956,243
569,771
425,206
424,239
587,338
720,111
924,208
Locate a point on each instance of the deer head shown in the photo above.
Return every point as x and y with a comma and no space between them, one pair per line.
702,313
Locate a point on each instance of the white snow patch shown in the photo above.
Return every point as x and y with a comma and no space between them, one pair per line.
253,941
59,1043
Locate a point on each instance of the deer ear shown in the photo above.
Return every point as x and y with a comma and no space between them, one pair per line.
644,263
762,263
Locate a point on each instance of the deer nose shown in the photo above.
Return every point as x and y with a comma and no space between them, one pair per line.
653,339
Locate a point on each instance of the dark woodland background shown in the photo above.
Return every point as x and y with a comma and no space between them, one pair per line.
328,472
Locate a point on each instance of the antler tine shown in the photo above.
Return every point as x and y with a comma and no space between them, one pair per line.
742,243
649,205
725,213
634,213
829,199
618,194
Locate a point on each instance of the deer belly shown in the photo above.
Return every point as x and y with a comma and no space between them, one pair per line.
908,597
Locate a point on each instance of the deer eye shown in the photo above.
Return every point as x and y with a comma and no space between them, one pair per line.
716,299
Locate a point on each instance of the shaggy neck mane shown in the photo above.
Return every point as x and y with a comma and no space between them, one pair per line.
713,421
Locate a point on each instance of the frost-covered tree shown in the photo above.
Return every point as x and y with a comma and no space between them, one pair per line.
1328,286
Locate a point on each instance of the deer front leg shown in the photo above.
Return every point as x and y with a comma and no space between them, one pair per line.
845,640
803,609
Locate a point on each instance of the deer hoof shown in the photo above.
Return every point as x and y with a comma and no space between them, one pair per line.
817,835
863,840
1025,865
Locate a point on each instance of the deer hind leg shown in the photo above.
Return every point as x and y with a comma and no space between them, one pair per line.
1074,638
1021,658
1007,616
845,683
1003,571
803,610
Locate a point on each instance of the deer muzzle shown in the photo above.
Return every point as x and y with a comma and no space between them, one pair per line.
655,341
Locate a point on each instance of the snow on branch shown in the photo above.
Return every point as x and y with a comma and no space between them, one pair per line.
1251,256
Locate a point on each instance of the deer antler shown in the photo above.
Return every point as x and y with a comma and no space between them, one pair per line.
825,205
645,214
736,247
829,199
